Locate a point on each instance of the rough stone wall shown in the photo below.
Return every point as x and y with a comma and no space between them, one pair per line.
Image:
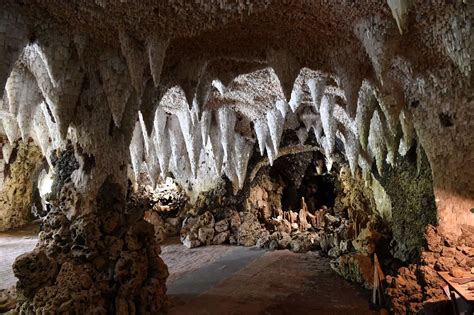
417,288
128,82
104,262
410,187
17,192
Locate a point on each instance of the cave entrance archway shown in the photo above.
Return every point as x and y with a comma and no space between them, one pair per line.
304,180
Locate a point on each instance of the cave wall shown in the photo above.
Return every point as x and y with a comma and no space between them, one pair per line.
409,185
158,86
18,190
446,137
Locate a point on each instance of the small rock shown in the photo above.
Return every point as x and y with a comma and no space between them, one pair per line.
221,238
205,235
221,226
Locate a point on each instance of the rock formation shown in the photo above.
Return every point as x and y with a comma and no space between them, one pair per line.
22,163
214,94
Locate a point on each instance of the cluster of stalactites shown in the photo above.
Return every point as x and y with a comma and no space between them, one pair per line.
377,132
194,147
35,105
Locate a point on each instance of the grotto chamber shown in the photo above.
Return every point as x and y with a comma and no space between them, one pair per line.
248,157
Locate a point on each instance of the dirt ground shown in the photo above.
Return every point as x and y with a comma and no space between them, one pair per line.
278,282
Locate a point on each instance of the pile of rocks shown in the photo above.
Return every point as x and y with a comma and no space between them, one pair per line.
164,207
167,197
164,227
105,261
418,287
206,229
299,232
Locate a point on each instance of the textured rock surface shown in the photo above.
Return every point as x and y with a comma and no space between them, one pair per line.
418,287
81,263
368,86
18,191
409,185
189,89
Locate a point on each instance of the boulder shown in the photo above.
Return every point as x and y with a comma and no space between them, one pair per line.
206,235
221,226
221,238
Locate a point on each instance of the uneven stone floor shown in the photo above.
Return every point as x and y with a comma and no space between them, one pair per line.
232,279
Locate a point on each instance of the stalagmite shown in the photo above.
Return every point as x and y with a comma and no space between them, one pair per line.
148,92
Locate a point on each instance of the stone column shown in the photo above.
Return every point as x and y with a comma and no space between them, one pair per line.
96,254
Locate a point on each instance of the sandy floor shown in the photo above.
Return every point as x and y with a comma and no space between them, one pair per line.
231,279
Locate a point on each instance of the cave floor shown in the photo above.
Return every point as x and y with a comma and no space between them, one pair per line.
239,280
231,279
13,243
